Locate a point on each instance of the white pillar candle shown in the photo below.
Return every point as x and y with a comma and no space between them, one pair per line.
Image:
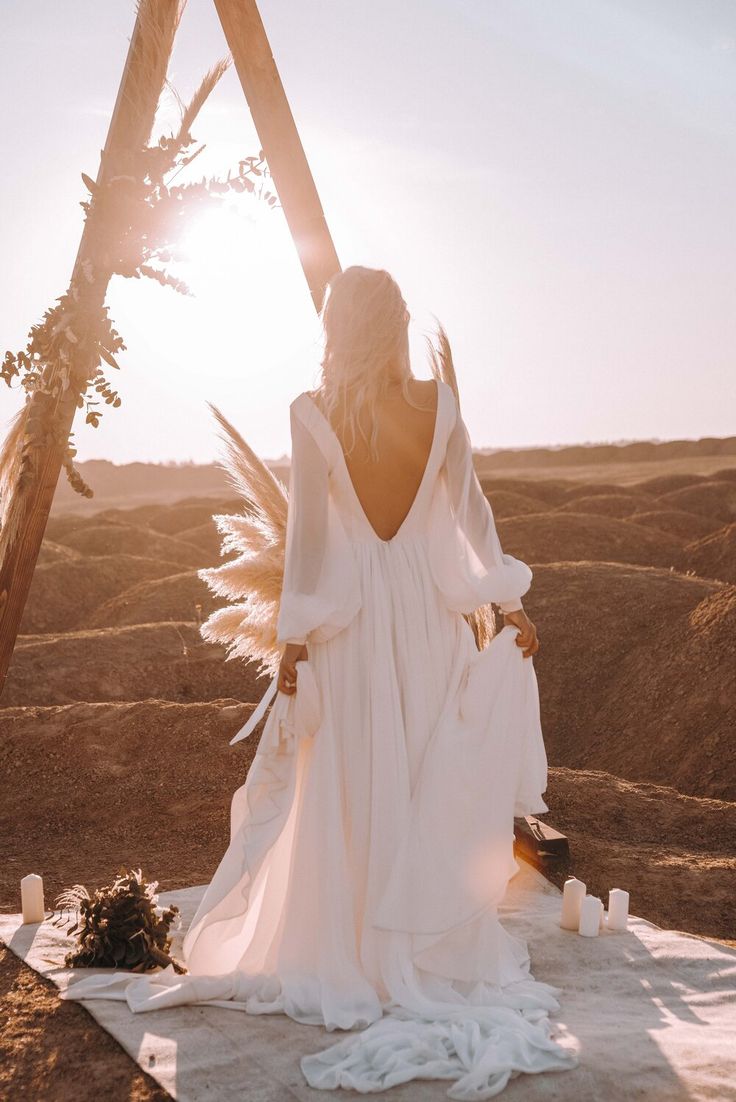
31,898
590,916
618,909
573,893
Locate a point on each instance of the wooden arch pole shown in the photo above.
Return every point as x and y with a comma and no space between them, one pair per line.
279,138
132,119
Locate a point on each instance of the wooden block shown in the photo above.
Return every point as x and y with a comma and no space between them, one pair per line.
539,841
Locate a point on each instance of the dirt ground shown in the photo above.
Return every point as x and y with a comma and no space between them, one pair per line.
52,1050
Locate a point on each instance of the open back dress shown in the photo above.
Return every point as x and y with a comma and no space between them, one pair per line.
372,840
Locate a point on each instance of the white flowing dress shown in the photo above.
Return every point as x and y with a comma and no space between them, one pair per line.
372,840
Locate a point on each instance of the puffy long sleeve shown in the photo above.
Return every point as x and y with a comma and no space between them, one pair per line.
321,587
468,562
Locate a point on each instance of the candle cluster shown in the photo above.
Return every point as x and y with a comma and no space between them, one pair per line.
585,913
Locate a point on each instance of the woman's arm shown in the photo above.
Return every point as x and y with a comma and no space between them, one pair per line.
321,590
498,573
527,637
293,653
306,529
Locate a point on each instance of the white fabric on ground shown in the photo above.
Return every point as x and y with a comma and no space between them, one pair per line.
651,1014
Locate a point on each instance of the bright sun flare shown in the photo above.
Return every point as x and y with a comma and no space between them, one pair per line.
236,251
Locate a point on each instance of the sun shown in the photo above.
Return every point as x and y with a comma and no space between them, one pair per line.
235,251
240,262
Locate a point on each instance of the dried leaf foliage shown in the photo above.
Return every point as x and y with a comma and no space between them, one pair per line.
119,926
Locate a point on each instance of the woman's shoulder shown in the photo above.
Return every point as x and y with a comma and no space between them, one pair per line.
305,408
429,393
439,396
304,403
426,392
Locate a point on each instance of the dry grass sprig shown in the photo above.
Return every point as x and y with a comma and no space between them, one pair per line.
254,579
440,359
198,100
13,459
482,621
158,22
252,478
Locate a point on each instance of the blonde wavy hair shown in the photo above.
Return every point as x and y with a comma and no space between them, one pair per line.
365,327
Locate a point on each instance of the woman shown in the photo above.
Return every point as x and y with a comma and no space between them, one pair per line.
373,838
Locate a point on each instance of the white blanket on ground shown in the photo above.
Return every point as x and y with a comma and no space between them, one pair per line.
652,1013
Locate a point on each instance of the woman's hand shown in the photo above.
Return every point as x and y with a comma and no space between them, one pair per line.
293,653
527,637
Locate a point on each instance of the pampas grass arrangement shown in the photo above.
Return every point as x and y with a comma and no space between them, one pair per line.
254,579
119,926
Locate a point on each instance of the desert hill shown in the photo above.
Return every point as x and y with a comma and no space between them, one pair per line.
145,487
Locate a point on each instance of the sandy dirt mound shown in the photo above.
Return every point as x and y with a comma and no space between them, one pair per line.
563,537
507,504
208,540
712,499
125,539
119,784
138,515
63,594
191,513
178,518
714,556
725,474
591,618
167,661
55,552
666,483
677,523
177,597
591,489
673,711
604,505
549,492
233,504
674,854
59,528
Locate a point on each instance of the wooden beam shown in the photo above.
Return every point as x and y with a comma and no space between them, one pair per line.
279,138
130,126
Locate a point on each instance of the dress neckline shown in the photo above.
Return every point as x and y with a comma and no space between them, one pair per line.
344,466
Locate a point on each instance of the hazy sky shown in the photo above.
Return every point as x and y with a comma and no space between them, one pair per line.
554,179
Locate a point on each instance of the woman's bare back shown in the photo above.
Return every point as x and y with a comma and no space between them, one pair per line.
386,488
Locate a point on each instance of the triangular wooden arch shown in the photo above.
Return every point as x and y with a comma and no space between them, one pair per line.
130,126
